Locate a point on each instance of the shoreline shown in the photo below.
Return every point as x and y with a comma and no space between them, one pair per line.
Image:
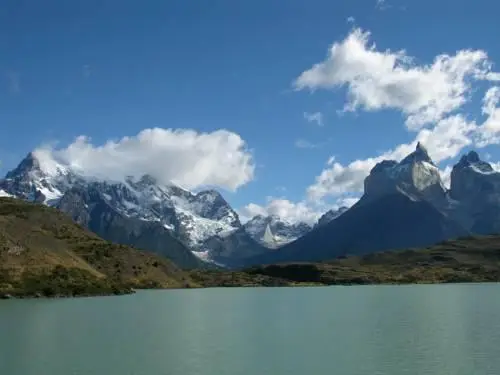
18,296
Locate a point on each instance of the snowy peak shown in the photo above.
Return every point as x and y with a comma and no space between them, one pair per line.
271,231
28,165
415,175
211,204
38,180
191,218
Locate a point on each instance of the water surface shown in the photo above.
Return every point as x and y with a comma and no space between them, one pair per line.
389,330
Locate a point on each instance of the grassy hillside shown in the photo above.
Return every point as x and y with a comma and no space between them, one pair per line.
470,259
43,252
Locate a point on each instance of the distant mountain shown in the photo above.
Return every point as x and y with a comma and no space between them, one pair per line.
393,221
273,232
141,212
331,215
405,204
475,190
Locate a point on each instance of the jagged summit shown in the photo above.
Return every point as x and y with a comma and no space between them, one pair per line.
473,179
191,218
419,155
472,159
413,176
29,163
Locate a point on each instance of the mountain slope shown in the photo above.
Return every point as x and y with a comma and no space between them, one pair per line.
393,221
88,208
43,252
468,259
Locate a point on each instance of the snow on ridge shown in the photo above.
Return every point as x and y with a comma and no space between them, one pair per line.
3,193
476,169
48,165
200,228
176,208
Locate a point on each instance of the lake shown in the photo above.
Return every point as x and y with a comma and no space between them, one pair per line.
356,330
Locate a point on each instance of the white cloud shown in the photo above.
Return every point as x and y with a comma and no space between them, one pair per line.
444,141
302,143
285,209
181,156
429,95
350,19
293,212
446,175
391,79
315,117
490,129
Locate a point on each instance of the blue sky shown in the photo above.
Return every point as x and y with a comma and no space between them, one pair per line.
112,69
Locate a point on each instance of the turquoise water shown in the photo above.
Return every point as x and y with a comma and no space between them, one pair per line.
389,330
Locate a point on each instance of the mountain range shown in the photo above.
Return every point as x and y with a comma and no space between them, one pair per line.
405,204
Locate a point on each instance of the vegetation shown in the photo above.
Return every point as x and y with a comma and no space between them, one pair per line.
470,259
44,253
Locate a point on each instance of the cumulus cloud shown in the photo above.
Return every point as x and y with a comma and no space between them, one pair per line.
444,141
429,95
294,212
392,79
490,129
446,176
185,157
315,117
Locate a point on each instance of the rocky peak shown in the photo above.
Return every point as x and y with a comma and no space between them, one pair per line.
474,180
419,155
415,175
28,165
147,180
472,159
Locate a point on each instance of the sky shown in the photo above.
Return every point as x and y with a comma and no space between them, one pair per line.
283,106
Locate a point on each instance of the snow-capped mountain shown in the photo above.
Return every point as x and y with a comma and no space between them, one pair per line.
404,205
272,232
415,176
192,218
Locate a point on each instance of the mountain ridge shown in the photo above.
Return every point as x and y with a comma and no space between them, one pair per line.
403,198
